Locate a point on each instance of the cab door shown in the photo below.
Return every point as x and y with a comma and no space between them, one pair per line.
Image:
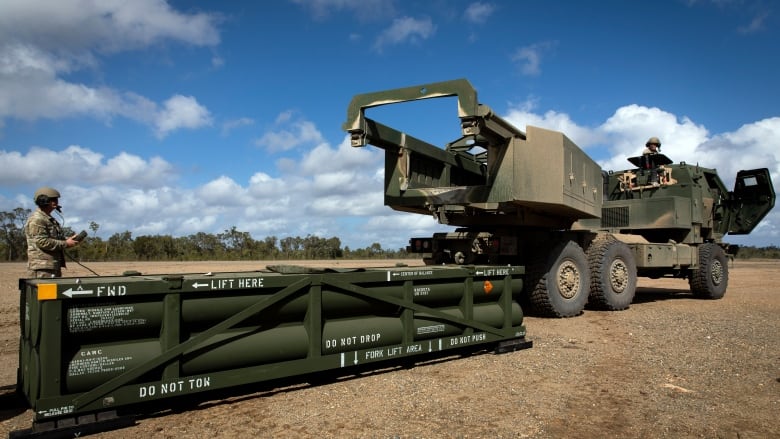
753,197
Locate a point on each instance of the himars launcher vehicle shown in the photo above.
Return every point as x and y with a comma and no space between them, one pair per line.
535,199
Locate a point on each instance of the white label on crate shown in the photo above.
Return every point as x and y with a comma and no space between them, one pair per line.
230,284
184,385
86,319
93,361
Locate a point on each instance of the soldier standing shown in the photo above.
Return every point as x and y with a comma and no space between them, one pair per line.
45,242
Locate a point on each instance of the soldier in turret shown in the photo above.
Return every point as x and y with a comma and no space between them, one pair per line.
653,146
45,241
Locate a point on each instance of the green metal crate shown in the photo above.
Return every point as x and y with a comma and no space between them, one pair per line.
90,345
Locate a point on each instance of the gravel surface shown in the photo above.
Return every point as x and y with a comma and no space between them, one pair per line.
669,366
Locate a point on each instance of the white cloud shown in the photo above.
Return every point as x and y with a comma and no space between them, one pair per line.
222,192
344,157
629,128
102,25
76,164
263,186
231,125
130,168
362,204
30,89
42,41
522,115
290,133
181,112
347,185
755,25
405,30
530,57
196,224
751,146
20,59
309,197
479,12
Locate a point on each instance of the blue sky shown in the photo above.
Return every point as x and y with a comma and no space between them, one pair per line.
181,117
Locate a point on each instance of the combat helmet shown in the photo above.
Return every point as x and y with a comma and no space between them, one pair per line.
44,194
653,140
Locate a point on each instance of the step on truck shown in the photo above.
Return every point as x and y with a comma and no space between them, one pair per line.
533,198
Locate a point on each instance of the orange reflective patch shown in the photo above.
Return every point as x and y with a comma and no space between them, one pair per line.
47,291
488,287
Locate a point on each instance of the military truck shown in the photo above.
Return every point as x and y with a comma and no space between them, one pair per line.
533,198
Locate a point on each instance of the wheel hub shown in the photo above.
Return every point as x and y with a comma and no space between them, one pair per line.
716,272
618,276
568,279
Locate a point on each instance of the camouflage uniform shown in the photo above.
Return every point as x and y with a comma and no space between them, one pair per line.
45,246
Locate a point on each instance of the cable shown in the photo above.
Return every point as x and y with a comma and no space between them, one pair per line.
62,218
79,263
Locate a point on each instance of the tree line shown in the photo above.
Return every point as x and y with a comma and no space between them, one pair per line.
231,244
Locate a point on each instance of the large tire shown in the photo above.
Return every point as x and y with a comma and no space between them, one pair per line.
711,279
613,274
558,286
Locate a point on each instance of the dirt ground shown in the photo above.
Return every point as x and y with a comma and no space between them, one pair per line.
670,366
